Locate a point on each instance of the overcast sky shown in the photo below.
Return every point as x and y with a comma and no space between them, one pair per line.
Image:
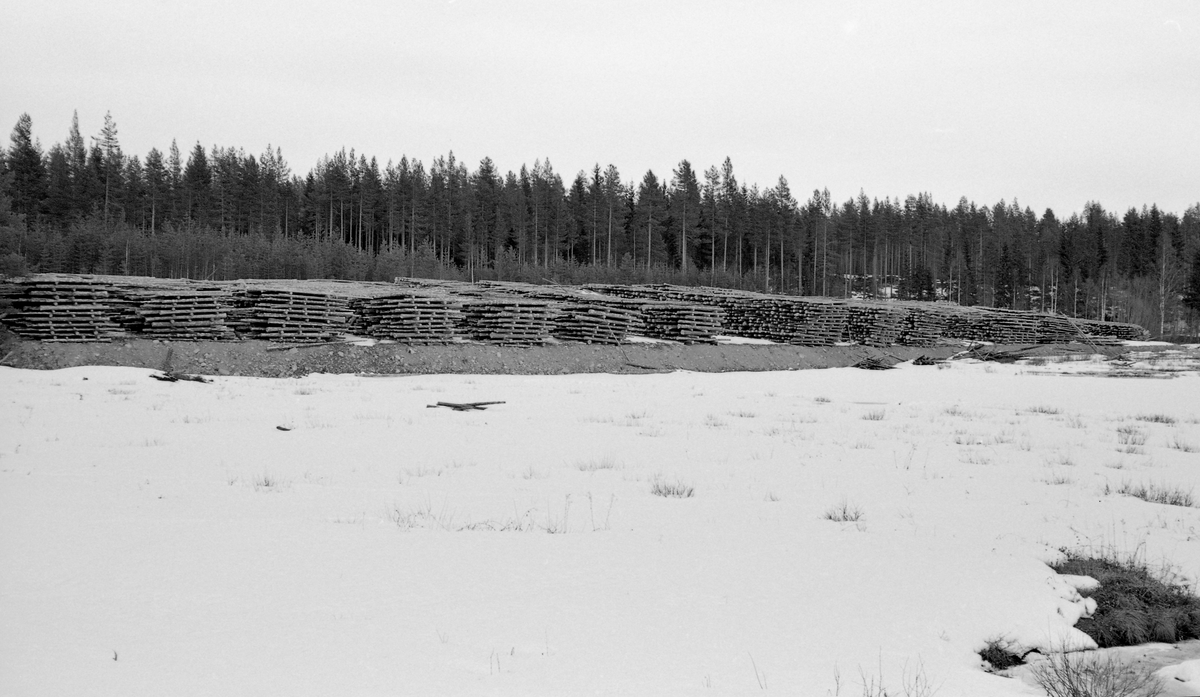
1054,103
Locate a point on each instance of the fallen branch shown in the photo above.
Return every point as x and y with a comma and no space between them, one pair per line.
304,346
176,377
873,363
465,406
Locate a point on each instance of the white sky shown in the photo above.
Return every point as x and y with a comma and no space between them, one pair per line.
1053,103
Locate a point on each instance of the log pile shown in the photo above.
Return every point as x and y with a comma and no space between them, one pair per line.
922,326
508,322
1056,329
598,322
87,308
825,323
683,322
410,318
1115,330
57,308
275,314
179,315
1010,326
874,324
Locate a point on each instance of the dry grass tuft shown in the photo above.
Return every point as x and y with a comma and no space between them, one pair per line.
845,512
672,490
1155,493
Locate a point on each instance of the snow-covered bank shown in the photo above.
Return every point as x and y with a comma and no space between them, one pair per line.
170,539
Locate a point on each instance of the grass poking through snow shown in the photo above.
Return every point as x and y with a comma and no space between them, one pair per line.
845,512
1134,605
1155,493
1001,654
672,490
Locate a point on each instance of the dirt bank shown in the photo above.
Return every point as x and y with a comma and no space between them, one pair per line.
258,358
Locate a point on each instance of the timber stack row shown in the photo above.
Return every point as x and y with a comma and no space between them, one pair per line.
508,322
292,316
409,318
422,311
186,315
62,309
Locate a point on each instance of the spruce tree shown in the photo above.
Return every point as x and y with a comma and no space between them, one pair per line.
1191,293
24,163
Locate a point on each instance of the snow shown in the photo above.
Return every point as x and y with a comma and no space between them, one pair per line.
167,538
743,340
1185,675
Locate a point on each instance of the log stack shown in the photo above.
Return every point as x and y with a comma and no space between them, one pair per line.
1011,326
598,322
410,318
1115,330
180,315
922,325
88,308
874,324
824,322
508,322
60,308
1057,329
276,314
683,322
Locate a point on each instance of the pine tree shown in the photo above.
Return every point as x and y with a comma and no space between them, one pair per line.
24,163
614,193
1191,293
81,176
197,186
176,206
59,199
647,220
157,187
112,163
683,199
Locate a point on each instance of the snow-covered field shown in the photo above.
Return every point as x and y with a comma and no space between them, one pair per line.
171,539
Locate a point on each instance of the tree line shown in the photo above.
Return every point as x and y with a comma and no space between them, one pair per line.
85,206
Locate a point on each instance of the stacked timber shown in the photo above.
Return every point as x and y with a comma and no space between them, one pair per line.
598,322
924,325
1057,329
824,322
1115,330
683,322
410,318
181,315
1011,326
62,308
277,314
508,322
874,324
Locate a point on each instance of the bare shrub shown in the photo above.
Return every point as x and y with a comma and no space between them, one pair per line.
1084,674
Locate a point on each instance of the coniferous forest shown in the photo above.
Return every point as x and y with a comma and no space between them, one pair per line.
85,206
